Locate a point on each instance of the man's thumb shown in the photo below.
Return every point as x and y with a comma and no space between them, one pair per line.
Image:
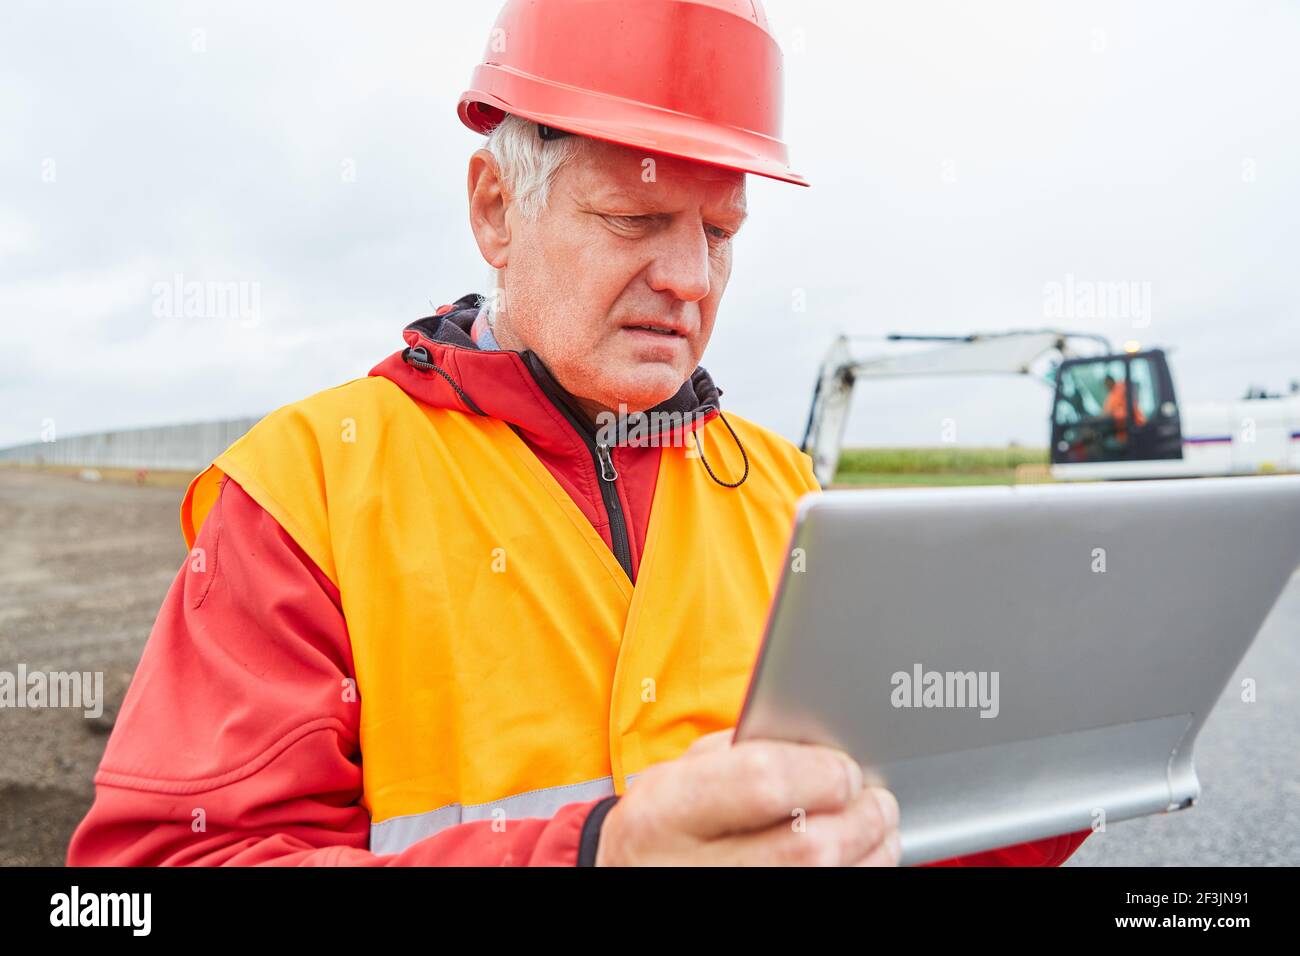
710,743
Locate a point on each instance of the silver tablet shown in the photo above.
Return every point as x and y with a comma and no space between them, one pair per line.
1020,662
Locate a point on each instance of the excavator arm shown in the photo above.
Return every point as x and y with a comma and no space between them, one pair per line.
996,353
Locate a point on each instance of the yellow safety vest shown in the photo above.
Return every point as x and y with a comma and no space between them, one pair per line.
505,664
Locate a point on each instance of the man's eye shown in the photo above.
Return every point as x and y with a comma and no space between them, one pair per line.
718,234
628,222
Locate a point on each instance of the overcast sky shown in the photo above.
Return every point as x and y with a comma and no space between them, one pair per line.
964,157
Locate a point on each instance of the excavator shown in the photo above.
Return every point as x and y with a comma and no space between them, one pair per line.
1115,414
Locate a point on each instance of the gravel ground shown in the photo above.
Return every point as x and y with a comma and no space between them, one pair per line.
84,567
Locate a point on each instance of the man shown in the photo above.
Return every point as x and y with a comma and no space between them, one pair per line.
1115,407
439,615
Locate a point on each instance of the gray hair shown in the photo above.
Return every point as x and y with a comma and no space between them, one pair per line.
527,166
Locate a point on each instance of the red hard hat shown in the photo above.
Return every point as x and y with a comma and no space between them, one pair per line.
697,79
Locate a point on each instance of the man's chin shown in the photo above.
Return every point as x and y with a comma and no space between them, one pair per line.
635,387
647,388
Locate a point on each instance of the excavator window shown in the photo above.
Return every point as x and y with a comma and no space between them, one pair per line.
1146,389
1104,407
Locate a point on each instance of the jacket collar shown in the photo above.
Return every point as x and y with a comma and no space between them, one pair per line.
443,367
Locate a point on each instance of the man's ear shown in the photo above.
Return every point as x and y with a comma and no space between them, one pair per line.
488,202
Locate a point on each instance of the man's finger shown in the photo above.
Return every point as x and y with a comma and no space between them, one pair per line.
887,853
755,784
857,835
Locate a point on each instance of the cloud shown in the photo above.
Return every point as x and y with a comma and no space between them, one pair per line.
962,157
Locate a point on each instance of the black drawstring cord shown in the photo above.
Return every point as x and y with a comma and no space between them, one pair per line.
409,356
726,484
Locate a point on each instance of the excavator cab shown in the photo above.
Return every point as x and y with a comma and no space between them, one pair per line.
1117,407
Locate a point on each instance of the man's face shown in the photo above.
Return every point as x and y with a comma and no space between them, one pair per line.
617,284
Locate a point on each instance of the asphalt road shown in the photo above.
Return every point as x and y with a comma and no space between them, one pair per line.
84,568
1248,762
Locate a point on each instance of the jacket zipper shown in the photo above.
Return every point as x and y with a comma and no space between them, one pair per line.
614,509
603,459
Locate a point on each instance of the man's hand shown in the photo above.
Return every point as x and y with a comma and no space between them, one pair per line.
757,803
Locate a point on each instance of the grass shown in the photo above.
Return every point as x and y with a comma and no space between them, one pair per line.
859,468
866,467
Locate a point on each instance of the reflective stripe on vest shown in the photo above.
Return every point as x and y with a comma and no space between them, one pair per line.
503,659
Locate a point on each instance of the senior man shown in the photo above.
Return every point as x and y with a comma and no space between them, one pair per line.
444,614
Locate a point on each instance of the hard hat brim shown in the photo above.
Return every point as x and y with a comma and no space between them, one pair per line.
496,91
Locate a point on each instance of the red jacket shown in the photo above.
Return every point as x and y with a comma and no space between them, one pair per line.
192,776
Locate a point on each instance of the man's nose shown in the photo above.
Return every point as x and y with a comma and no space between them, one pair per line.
681,263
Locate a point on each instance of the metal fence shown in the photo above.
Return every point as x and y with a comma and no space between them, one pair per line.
178,447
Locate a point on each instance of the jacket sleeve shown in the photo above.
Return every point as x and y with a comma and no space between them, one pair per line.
237,743
1050,852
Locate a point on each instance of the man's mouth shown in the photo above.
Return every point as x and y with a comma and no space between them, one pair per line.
664,330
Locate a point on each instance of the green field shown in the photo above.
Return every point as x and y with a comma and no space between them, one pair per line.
861,467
